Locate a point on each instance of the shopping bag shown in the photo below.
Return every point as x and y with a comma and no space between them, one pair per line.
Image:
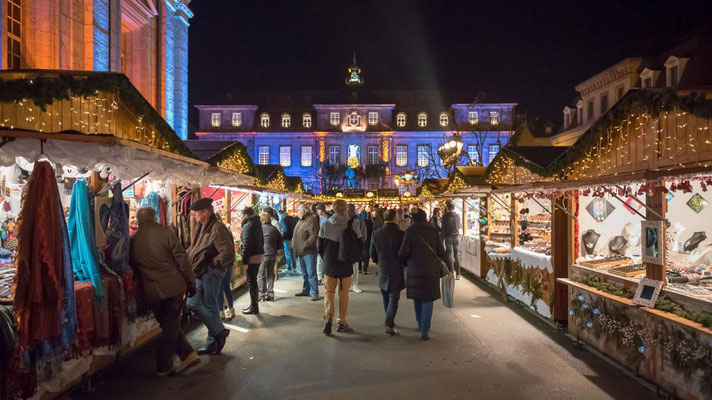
447,288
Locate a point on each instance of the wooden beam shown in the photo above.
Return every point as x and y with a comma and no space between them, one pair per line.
657,208
560,257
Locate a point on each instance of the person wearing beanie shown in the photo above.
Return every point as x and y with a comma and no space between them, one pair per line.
210,255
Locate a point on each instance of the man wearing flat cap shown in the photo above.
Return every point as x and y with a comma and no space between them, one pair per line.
211,254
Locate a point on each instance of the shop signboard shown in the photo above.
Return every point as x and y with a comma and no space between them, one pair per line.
388,193
354,192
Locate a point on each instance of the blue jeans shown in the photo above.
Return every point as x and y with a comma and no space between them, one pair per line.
289,256
390,305
423,314
226,292
205,302
307,263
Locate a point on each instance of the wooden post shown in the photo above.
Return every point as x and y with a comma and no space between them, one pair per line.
484,231
561,239
228,205
513,220
96,182
656,202
463,222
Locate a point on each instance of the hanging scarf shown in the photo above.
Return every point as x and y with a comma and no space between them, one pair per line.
39,295
115,222
69,306
81,239
153,200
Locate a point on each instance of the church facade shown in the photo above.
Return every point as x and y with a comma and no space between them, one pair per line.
318,135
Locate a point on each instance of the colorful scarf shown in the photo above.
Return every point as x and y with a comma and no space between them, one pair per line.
81,239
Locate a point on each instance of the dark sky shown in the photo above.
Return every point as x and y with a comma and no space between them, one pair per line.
529,52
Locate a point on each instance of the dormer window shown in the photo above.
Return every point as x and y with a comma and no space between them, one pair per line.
215,119
422,120
567,117
286,120
264,120
444,119
306,120
649,78
472,117
674,66
400,119
334,119
372,118
494,117
236,119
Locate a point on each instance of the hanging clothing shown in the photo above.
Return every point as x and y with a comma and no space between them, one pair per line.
81,239
39,295
163,212
115,223
69,305
153,200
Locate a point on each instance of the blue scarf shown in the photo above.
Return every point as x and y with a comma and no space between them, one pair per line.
82,240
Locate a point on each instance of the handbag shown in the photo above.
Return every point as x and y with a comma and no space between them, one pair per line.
444,270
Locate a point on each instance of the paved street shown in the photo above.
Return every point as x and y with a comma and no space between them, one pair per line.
481,349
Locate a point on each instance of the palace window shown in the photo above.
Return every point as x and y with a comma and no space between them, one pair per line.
423,155
400,119
264,120
307,156
422,119
472,117
494,117
675,66
493,150
604,102
236,119
263,155
473,153
334,119
401,155
589,110
306,120
286,120
672,73
215,119
14,34
444,120
372,118
619,92
334,155
285,156
373,157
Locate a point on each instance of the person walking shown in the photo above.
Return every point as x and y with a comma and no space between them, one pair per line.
323,216
304,243
337,273
252,249
162,264
437,219
384,251
451,232
210,255
365,217
272,243
422,251
288,222
360,228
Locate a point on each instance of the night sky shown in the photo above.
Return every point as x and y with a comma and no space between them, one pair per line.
529,52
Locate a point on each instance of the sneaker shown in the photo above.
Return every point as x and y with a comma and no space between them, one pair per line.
356,289
189,361
344,328
230,313
327,327
302,294
220,340
457,278
163,373
316,298
391,331
425,338
222,314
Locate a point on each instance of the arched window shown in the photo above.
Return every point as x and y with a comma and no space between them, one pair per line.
306,120
400,119
444,119
264,120
422,119
286,120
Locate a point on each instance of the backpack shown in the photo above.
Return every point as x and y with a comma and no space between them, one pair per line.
350,246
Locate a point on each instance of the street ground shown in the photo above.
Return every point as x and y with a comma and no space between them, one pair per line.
480,349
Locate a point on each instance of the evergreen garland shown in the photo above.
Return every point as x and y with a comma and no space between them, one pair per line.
43,91
234,157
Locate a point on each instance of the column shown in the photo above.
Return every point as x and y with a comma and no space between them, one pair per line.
562,242
656,203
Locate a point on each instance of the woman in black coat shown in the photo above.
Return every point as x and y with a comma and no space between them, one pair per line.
422,251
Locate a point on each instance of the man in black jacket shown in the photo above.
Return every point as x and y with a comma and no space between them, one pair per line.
288,222
384,252
252,255
451,233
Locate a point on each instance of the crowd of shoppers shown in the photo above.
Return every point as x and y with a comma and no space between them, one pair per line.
332,248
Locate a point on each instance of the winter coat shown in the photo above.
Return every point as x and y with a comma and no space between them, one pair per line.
384,252
369,234
450,225
423,267
288,223
329,243
305,235
252,238
272,240
161,262
213,247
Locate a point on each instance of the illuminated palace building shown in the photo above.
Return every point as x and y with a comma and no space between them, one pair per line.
145,39
315,135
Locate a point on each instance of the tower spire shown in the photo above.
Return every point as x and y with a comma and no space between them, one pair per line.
354,77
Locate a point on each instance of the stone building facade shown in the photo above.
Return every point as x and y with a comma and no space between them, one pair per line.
145,39
380,133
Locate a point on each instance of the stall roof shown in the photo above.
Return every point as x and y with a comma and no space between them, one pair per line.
125,158
466,177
